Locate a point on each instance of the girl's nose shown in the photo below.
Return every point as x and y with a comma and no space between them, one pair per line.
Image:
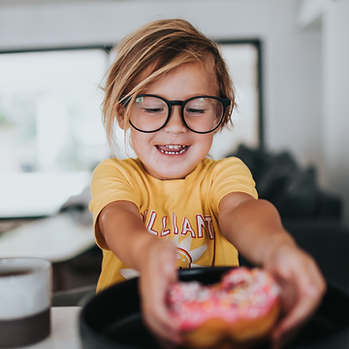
175,124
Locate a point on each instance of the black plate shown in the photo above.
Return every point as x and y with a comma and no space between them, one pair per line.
112,319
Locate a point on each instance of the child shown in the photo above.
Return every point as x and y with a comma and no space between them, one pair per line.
172,206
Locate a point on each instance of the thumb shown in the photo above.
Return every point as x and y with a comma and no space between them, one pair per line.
168,262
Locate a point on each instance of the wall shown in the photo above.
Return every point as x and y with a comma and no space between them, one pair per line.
335,24
292,59
332,19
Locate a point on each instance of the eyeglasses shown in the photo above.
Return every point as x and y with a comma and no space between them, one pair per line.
201,114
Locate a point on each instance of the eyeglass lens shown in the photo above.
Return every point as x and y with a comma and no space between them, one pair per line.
200,114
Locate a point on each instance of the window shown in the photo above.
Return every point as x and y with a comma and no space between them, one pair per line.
51,135
50,110
243,60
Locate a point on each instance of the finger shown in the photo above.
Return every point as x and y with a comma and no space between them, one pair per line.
155,311
285,339
287,328
305,306
162,332
165,344
162,324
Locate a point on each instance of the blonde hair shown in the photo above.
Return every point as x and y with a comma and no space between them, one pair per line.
152,51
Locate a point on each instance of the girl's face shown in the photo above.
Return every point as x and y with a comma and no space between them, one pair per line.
174,151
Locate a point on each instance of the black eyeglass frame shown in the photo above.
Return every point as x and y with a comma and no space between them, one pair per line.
225,102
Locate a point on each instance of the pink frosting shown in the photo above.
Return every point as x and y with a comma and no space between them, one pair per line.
242,294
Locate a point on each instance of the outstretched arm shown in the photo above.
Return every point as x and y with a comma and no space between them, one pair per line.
125,234
254,227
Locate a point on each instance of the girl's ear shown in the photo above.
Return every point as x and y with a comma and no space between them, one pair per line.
120,116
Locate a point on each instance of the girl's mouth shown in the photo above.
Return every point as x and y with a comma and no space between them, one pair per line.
172,149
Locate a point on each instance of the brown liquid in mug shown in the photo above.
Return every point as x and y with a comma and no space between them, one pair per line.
4,273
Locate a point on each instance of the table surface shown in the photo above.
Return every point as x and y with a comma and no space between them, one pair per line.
64,330
57,239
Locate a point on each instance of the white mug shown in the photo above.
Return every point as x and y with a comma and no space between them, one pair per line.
25,301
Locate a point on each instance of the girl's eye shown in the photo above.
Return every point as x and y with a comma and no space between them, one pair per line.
153,110
195,111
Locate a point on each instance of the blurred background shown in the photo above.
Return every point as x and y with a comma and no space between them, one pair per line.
289,60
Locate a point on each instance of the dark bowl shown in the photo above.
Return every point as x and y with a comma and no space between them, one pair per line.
112,319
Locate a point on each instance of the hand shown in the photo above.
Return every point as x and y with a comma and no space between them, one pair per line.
302,288
158,271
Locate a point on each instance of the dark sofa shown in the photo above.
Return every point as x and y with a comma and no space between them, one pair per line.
312,215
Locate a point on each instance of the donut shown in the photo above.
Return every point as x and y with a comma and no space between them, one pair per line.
238,312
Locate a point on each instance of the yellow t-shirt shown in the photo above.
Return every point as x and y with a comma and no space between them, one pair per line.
184,211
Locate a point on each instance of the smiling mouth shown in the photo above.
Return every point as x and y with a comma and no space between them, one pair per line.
172,149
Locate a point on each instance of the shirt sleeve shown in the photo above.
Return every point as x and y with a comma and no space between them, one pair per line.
231,175
110,182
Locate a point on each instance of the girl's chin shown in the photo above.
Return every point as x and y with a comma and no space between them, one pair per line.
169,174
168,177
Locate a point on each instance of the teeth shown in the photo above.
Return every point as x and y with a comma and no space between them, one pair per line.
179,149
175,146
